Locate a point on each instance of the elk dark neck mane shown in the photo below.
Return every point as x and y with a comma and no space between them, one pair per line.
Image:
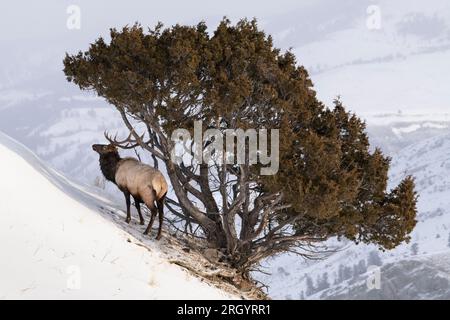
108,165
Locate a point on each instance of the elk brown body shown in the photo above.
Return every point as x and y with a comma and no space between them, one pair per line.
135,179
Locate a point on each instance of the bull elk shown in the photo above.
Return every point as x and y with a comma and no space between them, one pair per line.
135,179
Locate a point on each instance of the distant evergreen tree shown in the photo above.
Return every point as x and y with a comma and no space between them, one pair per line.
355,270
344,273
310,289
415,249
348,274
362,266
359,268
340,276
322,282
302,295
374,259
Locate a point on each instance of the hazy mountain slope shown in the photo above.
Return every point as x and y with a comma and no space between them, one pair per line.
425,277
55,243
429,162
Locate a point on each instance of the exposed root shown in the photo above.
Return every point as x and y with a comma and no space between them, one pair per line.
221,277
217,273
221,273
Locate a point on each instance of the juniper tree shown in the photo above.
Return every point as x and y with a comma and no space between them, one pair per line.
329,182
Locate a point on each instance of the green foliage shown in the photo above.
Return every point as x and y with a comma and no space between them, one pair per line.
337,185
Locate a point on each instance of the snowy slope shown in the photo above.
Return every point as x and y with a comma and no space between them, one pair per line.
56,244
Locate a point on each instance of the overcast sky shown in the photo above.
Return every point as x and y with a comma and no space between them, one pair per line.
330,38
27,19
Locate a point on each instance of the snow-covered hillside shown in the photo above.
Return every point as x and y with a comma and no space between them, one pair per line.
59,240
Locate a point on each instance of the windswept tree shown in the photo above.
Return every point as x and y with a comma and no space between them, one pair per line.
329,183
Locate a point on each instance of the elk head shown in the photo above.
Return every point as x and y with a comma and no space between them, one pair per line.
104,148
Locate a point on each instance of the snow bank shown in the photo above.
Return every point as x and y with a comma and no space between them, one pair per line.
54,244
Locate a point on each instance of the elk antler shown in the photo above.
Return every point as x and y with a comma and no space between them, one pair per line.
127,143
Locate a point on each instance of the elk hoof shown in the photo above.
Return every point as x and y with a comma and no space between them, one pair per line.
142,222
158,237
128,220
146,232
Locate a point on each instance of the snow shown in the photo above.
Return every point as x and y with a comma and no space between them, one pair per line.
56,244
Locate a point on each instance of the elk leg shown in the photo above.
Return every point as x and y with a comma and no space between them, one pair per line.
160,216
160,204
152,219
137,203
127,200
